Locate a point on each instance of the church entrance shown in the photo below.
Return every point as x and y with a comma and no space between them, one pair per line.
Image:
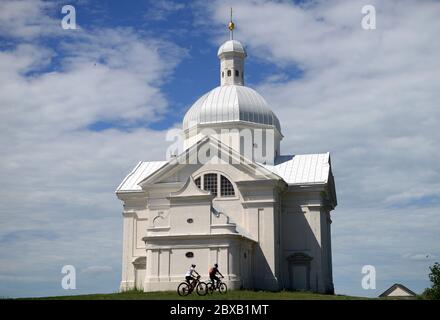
299,271
139,273
299,277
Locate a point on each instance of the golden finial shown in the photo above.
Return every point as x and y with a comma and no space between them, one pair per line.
231,27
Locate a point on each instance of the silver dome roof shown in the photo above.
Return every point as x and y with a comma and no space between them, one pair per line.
230,103
231,46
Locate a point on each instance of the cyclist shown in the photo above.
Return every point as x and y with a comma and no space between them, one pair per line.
213,275
189,275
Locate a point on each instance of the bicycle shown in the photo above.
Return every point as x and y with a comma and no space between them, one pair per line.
221,286
185,289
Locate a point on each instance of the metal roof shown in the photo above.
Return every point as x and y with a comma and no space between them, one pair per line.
230,103
303,168
139,173
232,46
298,169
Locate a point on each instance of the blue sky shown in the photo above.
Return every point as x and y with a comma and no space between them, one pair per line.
79,109
182,24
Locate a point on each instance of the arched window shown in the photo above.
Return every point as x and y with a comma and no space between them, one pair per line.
226,187
210,183
237,73
218,184
229,73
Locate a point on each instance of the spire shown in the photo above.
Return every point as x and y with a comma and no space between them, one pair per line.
231,54
231,27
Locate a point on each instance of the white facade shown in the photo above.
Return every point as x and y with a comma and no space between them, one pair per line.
264,218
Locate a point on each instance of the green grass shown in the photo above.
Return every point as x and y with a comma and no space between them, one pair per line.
230,295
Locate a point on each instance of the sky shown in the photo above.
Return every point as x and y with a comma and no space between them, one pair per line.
79,108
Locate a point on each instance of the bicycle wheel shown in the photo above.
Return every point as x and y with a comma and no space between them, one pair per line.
223,288
202,289
183,289
210,287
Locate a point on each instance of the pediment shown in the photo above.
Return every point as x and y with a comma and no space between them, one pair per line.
208,151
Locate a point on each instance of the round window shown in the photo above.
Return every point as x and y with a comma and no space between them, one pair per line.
190,220
189,254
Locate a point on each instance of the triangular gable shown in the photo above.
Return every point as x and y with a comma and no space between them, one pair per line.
395,286
189,156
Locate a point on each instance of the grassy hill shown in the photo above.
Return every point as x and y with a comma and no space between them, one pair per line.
231,295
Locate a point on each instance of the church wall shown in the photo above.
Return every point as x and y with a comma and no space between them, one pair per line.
302,226
261,227
326,250
261,222
134,218
140,225
200,215
167,261
166,267
266,263
127,281
306,230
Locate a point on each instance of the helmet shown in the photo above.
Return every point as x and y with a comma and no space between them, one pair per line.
216,265
193,265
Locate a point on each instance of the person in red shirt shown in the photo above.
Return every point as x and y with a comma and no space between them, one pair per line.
213,275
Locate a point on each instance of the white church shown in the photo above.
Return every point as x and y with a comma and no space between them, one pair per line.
230,197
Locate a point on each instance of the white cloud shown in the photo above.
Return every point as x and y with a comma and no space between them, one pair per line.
27,19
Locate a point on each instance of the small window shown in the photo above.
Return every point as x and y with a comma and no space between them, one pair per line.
237,73
226,187
229,73
198,182
210,183
223,74
189,220
189,254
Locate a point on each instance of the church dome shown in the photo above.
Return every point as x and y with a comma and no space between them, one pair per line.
231,46
230,103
